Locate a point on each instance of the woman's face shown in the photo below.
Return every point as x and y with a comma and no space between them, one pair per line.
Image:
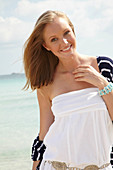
59,38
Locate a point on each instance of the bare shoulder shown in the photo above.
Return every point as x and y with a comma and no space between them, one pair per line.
93,58
43,94
93,62
90,59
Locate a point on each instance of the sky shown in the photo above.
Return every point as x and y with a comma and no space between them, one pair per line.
92,20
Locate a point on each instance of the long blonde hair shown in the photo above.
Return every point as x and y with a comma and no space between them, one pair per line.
39,63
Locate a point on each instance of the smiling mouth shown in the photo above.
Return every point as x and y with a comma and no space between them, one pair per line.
66,49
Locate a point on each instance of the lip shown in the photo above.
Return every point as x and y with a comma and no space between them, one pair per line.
66,49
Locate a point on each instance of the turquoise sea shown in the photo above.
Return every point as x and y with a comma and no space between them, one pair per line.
19,123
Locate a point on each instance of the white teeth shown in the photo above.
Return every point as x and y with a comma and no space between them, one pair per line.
66,49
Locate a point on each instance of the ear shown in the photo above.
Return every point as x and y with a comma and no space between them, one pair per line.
44,45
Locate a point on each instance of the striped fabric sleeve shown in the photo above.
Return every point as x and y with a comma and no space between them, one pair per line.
105,65
111,157
38,149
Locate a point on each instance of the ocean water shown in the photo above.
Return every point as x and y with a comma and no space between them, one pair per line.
19,123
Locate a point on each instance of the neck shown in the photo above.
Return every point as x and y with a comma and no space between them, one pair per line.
70,64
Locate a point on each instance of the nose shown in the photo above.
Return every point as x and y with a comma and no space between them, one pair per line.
64,41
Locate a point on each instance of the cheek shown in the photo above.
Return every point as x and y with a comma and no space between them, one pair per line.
74,40
54,47
50,47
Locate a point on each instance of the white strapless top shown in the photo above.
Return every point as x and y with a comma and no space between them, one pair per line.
82,132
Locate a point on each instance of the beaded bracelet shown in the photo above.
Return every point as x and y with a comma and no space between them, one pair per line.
106,89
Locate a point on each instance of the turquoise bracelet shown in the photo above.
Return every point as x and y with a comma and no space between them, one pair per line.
106,89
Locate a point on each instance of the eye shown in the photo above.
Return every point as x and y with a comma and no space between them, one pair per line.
53,39
67,32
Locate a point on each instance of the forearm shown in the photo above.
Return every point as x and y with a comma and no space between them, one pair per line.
35,164
45,125
108,98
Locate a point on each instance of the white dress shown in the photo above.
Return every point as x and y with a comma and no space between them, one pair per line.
82,132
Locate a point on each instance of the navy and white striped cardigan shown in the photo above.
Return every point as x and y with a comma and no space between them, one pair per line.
105,65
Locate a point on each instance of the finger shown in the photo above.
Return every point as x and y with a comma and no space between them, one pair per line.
83,66
79,74
81,69
82,78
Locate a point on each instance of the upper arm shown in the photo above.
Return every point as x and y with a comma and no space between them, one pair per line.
46,115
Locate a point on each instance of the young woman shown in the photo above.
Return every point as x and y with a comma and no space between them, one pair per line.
75,97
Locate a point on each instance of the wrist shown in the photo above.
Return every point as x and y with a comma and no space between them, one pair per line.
102,84
41,136
106,90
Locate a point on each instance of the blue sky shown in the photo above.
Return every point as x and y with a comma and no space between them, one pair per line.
92,19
